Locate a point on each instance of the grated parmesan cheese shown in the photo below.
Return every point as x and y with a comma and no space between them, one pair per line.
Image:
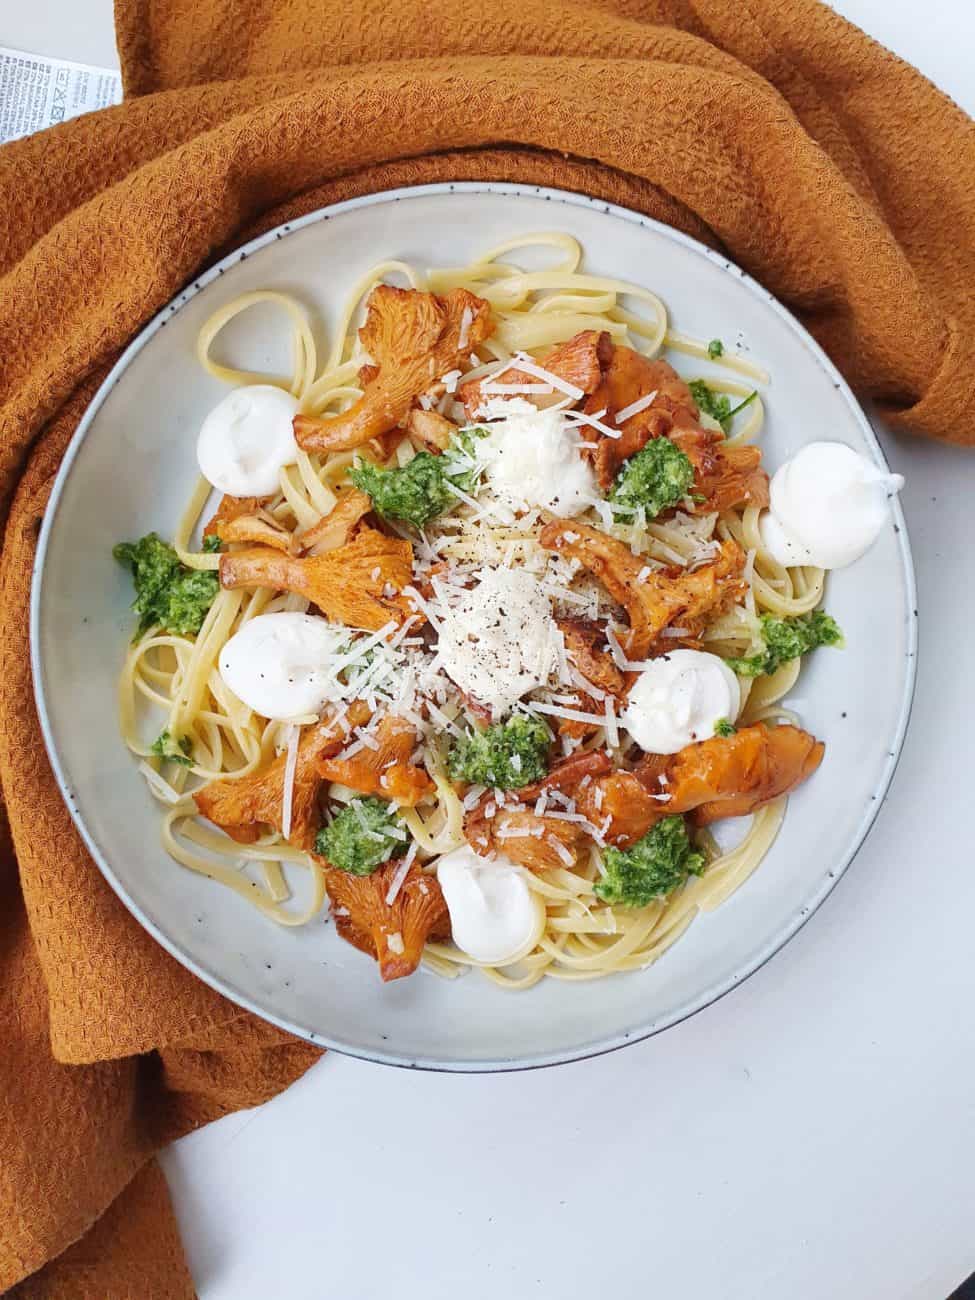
514,390
402,871
560,849
524,363
464,334
572,715
594,422
495,636
531,459
612,730
290,767
635,408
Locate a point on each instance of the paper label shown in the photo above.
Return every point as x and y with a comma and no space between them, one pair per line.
36,92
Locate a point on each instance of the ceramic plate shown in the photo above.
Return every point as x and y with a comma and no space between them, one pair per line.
130,469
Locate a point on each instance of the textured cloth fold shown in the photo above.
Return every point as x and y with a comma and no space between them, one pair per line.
772,129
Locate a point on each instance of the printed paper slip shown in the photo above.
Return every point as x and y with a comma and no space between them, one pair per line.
36,92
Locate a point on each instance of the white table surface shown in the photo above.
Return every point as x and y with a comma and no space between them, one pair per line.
811,1135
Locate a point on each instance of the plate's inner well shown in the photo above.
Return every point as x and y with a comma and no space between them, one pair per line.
146,420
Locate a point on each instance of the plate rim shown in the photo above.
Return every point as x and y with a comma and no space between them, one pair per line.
807,906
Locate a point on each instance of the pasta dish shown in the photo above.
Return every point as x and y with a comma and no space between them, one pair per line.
477,633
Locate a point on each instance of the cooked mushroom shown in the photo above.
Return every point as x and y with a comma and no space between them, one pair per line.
246,808
727,776
731,776
724,476
336,528
628,377
567,775
578,361
347,584
413,339
229,509
244,519
431,428
621,807
663,597
588,649
393,933
535,841
385,770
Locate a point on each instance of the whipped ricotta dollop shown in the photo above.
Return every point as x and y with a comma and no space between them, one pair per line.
494,916
534,458
247,439
498,639
281,665
827,506
678,699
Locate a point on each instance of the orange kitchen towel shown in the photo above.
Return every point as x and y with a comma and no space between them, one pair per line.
826,167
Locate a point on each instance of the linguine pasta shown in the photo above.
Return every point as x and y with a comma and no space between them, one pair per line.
173,682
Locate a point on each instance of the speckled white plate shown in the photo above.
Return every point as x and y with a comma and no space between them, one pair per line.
130,468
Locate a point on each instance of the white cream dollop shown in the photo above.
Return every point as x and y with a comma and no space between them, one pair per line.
499,640
534,458
678,699
281,665
827,506
494,916
247,439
